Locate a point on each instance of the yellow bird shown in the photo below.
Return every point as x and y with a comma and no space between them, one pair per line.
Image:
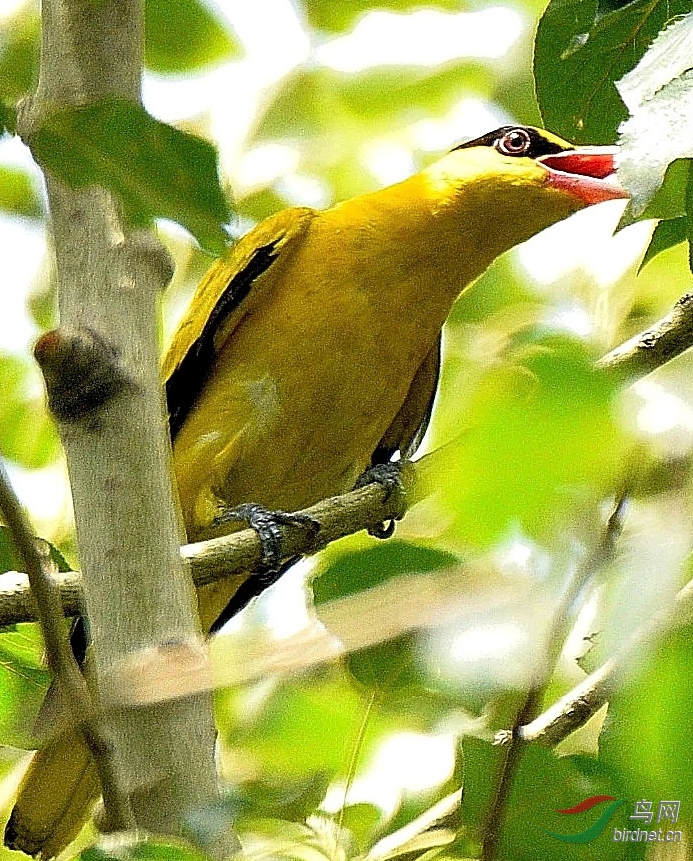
311,350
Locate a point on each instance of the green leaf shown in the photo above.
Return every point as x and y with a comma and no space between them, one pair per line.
653,138
336,118
9,560
184,36
139,848
359,570
390,664
23,683
538,436
27,434
650,724
666,234
20,38
8,119
18,194
579,53
156,170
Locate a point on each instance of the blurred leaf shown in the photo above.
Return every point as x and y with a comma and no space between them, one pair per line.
338,117
184,36
579,53
430,829
362,820
338,17
20,37
156,170
393,663
23,683
134,848
543,784
359,570
17,193
27,434
317,101
650,724
537,434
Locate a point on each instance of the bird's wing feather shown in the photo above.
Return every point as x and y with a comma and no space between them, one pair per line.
408,427
230,289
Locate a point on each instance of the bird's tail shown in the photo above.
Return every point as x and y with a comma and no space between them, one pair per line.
55,798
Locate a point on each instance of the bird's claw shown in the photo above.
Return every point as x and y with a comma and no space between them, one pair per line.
389,475
267,525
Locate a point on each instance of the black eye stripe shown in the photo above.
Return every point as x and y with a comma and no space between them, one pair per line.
538,144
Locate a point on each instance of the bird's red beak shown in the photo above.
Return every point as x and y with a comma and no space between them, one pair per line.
587,172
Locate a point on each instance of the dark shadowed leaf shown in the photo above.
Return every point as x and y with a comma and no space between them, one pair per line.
579,53
156,170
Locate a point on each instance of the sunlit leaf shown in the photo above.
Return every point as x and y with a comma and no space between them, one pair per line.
184,36
391,663
656,134
141,848
579,53
24,681
156,170
18,194
666,234
338,118
10,561
648,725
27,434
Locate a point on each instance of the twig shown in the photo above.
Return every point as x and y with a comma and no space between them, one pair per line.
514,740
39,569
656,346
579,705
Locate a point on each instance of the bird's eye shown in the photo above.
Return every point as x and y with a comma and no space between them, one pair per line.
515,142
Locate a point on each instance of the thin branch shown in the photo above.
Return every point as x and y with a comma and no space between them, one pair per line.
61,661
654,347
574,709
514,741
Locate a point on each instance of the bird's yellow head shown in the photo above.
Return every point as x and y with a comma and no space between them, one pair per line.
517,180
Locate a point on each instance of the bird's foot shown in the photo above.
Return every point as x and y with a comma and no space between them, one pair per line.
391,476
267,525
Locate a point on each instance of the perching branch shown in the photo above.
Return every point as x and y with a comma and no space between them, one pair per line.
239,553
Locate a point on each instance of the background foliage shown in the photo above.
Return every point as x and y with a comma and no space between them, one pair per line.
536,443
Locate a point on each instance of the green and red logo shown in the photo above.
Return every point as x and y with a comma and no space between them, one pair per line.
597,827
